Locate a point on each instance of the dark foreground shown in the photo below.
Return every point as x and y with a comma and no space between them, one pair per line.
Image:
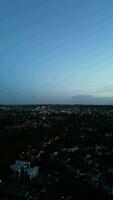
71,146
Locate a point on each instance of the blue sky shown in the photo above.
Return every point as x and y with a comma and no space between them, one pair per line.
56,51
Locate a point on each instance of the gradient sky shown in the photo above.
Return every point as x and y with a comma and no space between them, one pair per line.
56,51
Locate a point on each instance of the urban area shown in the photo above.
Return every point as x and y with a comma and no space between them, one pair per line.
56,152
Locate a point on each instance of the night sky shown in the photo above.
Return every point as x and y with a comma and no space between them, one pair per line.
56,51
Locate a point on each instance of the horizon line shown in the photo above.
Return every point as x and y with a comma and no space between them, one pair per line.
10,104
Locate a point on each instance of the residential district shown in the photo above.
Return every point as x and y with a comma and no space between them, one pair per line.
56,152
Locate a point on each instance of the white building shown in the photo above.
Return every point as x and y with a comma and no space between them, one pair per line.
22,166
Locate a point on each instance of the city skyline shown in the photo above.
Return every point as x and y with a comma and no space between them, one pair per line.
56,52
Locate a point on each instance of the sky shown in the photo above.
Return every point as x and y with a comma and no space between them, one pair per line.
56,51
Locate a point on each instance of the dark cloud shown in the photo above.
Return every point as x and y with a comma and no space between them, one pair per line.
89,99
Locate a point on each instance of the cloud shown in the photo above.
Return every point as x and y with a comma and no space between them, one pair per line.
90,99
105,90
